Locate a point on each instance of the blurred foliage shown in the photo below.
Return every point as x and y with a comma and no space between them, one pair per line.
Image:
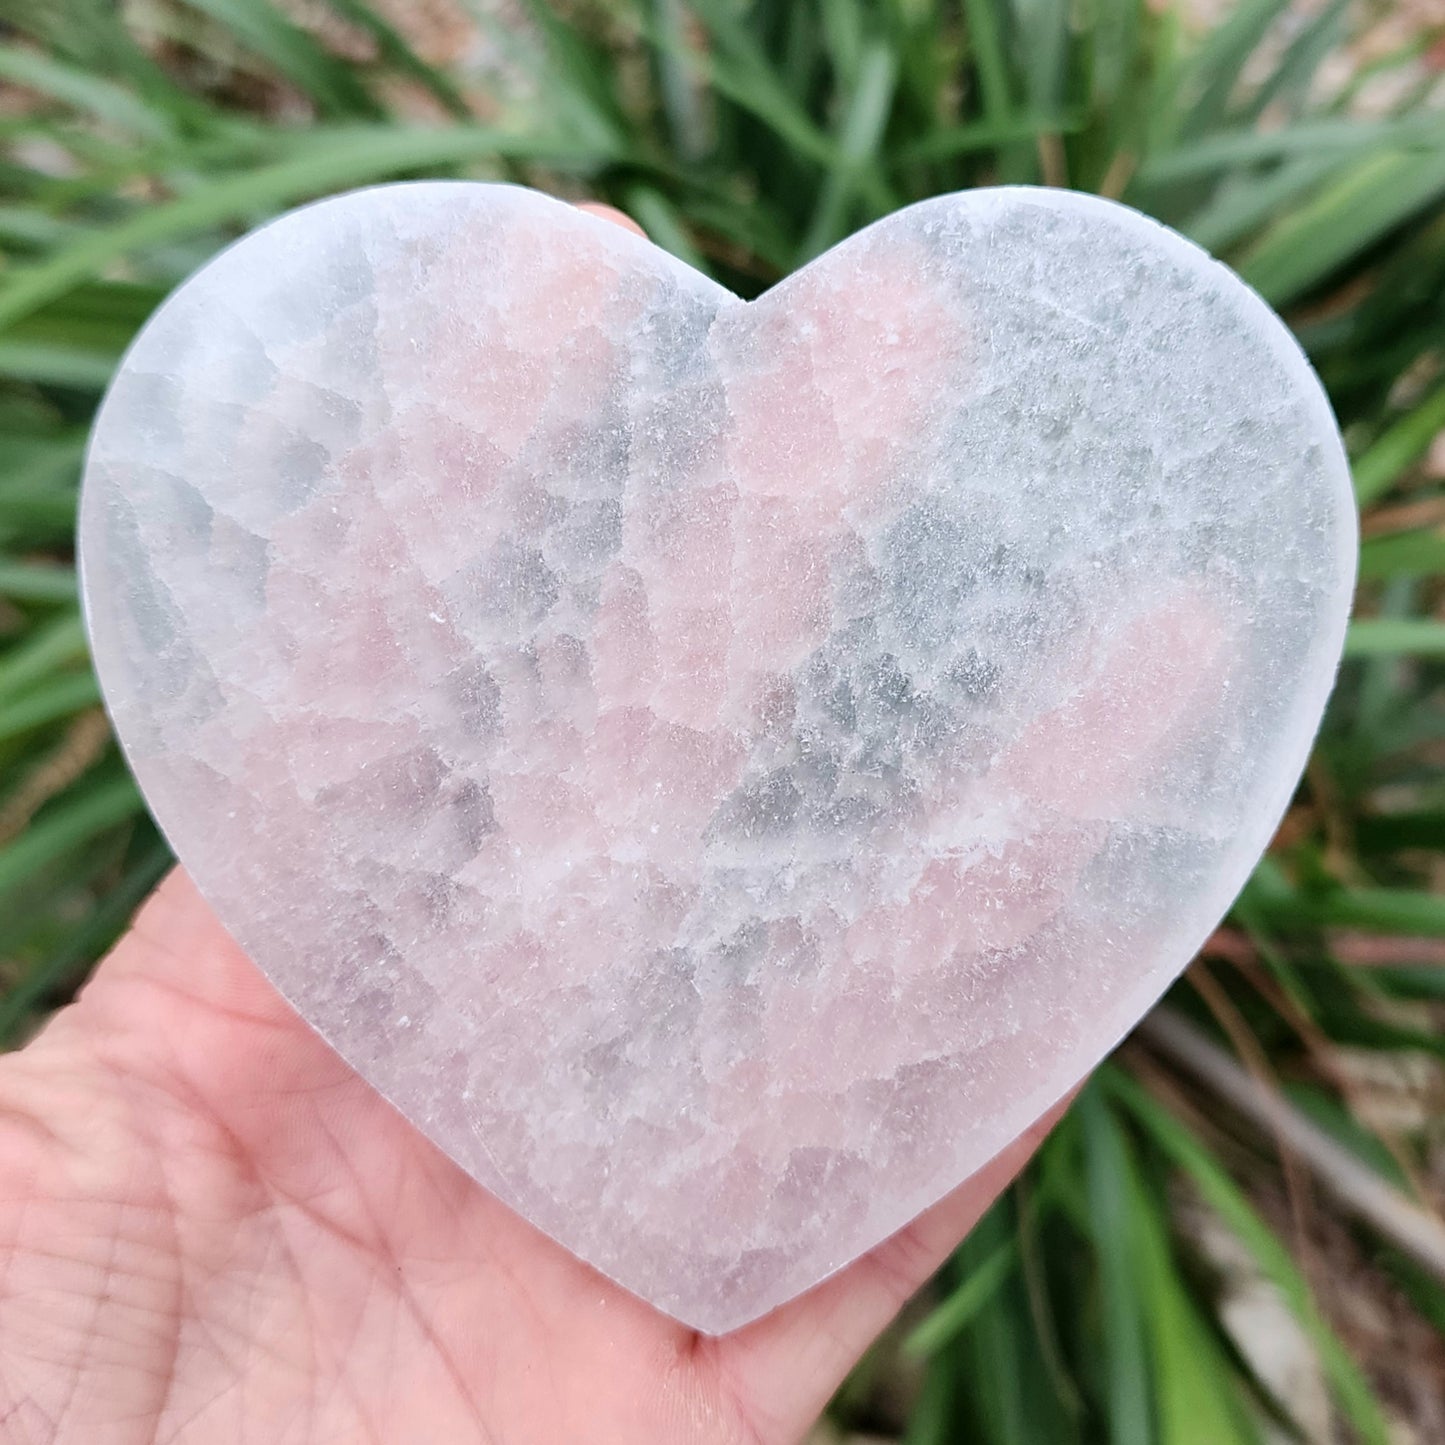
1305,145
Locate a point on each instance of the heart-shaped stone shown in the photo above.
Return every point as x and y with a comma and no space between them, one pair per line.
722,770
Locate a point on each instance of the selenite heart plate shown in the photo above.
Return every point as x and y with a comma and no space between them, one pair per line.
721,769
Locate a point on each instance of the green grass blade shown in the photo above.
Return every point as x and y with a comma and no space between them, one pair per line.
977,136
92,35
930,1422
1332,1117
1298,253
37,582
396,51
1115,41
1392,831
1384,910
1273,1258
1403,444
986,47
33,230
1114,1219
656,214
109,917
37,490
842,26
54,365
1232,149
1248,203
1395,637
1043,36
60,697
1198,1396
682,99
583,81
328,162
1403,554
84,91
955,1313
33,517
752,231
1301,59
78,341
1160,107
53,644
1213,72
335,86
859,137
739,69
66,825
1021,1405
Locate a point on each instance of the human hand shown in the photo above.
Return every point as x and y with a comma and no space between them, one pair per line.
213,1230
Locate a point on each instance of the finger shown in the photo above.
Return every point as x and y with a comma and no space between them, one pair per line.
783,1369
611,213
177,944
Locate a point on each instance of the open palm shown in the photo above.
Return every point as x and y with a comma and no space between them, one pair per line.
212,1230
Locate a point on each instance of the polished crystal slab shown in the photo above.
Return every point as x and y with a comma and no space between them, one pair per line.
722,770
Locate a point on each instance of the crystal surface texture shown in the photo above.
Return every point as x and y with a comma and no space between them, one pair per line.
721,769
